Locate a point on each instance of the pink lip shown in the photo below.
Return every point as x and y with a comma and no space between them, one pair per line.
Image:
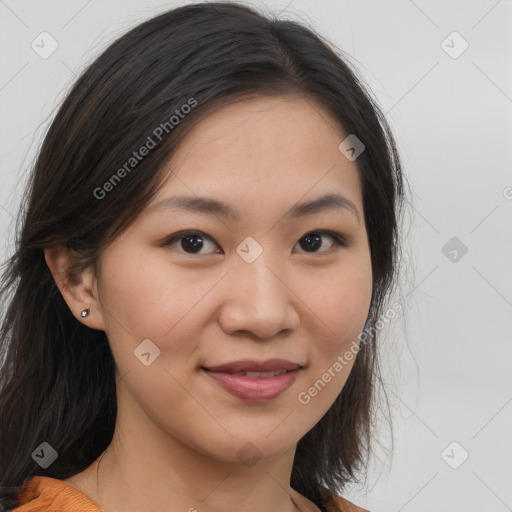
255,366
253,389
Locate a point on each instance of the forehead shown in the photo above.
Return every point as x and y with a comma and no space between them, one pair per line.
269,151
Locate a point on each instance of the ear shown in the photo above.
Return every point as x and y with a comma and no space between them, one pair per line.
79,289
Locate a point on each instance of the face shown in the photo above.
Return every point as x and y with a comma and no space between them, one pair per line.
270,281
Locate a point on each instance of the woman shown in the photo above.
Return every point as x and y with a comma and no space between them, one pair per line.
209,240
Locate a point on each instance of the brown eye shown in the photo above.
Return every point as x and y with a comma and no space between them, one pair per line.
313,241
192,242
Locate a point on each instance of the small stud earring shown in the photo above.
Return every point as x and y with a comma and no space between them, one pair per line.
85,312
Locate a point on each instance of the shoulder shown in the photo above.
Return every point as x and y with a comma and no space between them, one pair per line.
339,504
45,494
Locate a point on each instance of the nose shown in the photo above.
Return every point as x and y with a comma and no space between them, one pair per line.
259,299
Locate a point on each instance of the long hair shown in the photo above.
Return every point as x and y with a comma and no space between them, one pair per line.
57,380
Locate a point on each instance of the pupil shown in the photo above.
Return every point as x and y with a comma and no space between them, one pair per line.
315,239
193,245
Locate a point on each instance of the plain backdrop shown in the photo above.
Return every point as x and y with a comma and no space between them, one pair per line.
441,71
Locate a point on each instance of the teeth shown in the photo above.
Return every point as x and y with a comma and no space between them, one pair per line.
274,373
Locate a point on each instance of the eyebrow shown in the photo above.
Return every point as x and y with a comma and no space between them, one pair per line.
212,206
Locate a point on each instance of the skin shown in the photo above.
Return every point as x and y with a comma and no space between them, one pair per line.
178,432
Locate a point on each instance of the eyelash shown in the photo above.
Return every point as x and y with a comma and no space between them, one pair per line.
339,240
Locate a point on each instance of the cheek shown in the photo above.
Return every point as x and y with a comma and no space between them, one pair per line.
147,297
145,294
339,311
342,304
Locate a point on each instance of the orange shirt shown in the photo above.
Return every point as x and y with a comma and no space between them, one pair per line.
45,494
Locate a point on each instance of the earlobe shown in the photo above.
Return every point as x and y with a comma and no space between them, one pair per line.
77,288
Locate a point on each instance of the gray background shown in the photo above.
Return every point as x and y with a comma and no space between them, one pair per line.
447,360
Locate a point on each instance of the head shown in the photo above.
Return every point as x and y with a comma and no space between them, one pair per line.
179,107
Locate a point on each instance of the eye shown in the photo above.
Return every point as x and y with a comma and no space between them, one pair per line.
313,240
193,241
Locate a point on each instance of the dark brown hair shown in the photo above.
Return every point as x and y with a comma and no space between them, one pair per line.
57,380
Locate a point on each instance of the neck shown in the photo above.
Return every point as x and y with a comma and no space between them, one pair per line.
215,487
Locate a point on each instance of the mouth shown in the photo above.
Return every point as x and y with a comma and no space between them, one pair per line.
249,365
254,386
257,375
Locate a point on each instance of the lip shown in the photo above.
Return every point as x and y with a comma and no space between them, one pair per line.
253,389
255,366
